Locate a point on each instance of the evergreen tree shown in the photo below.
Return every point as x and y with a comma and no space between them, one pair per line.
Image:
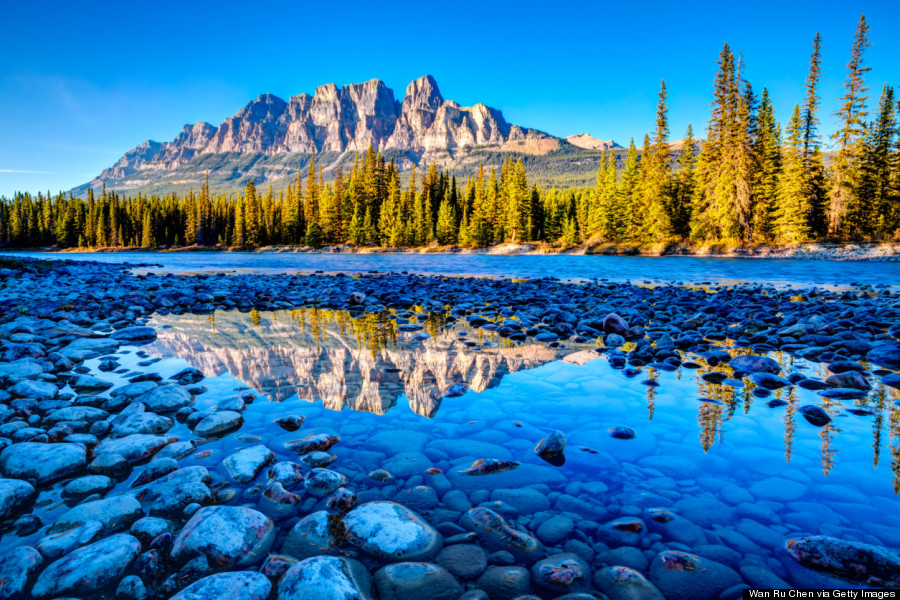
852,115
251,216
876,191
680,211
767,152
792,208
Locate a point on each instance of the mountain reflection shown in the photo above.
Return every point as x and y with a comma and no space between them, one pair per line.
363,363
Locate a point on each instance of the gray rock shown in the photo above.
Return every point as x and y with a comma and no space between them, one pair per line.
562,574
218,423
88,569
38,390
44,463
325,578
135,334
17,568
229,536
505,583
88,414
623,583
85,384
525,500
166,398
93,347
310,536
681,576
242,585
555,529
134,448
755,364
135,419
466,561
113,514
416,581
15,495
391,531
245,464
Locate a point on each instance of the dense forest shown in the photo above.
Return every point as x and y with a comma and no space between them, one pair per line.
749,181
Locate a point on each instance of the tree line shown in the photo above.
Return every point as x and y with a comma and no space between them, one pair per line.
748,181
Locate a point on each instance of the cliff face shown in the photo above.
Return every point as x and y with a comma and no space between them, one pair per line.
323,362
347,119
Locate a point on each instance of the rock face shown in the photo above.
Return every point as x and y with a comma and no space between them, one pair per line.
337,119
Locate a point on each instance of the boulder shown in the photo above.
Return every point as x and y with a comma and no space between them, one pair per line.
229,536
391,532
88,569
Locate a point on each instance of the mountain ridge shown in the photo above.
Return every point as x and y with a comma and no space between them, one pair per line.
334,121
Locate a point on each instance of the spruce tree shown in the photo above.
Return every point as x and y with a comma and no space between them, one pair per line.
251,215
792,208
680,212
767,151
851,115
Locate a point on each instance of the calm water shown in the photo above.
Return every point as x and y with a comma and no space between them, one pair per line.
615,268
747,477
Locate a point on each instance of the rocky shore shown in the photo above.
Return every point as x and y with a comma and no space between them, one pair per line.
98,498
869,251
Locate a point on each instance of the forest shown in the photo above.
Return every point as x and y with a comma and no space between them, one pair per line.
748,181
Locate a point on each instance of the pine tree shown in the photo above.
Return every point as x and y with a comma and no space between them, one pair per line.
767,151
813,168
680,211
251,215
238,232
626,197
792,208
446,223
657,190
876,192
147,240
852,115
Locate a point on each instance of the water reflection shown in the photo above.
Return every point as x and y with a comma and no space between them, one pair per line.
365,363
374,361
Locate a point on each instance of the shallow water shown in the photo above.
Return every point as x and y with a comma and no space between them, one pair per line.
615,268
747,475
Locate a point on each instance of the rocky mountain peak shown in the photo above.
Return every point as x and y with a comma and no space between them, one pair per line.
351,118
589,142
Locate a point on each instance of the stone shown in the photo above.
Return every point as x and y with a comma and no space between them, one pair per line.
847,559
135,334
754,364
134,448
15,495
325,578
391,531
166,398
18,567
416,581
887,355
555,529
85,384
322,482
93,347
561,574
88,569
241,585
229,536
219,423
135,419
623,583
113,514
465,561
44,463
525,500
682,576
505,583
37,390
310,536
245,464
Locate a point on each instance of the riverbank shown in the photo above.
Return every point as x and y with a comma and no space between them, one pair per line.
172,482
862,251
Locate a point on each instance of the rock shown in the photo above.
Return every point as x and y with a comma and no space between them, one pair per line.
241,585
17,569
89,414
134,448
525,500
159,467
552,445
38,390
505,583
14,496
85,384
113,514
887,355
88,569
322,482
816,415
321,442
465,561
555,529
496,534
219,423
391,531
892,380
181,498
245,464
682,576
325,578
135,419
622,583
849,379
60,544
135,334
561,574
93,347
166,398
416,581
229,536
754,364
310,536
149,528
613,323
44,463
317,460
847,559
110,464
131,588
769,381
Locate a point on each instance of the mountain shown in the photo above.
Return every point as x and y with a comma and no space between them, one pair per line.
589,142
270,138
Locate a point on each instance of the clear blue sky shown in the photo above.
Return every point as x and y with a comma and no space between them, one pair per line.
81,83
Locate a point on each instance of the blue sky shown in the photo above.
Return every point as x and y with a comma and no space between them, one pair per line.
81,83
